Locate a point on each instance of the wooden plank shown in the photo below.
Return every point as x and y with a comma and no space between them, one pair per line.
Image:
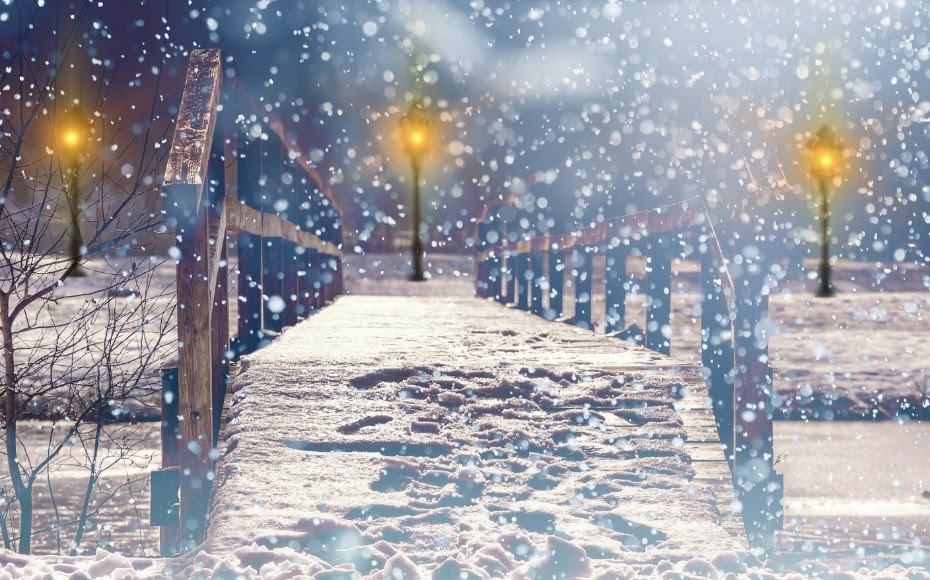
244,219
193,130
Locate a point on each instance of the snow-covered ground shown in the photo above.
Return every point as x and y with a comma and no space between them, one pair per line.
828,467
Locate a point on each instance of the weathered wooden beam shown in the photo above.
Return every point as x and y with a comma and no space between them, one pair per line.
193,136
717,346
195,375
244,219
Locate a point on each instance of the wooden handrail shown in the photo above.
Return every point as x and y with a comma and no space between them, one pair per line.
733,354
284,273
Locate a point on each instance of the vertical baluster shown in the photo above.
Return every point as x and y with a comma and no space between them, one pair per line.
249,249
510,296
556,282
614,288
658,294
289,283
538,282
583,258
524,277
219,318
272,247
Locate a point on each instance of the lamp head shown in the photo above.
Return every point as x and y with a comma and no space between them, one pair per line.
72,132
416,129
826,153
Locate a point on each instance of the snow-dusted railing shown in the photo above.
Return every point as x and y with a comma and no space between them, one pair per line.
288,264
734,350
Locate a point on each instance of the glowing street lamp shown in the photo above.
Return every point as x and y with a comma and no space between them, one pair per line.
72,139
826,156
416,128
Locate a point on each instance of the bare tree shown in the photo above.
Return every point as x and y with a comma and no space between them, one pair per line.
77,353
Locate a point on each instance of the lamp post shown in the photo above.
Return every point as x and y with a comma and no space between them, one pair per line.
416,128
72,137
826,153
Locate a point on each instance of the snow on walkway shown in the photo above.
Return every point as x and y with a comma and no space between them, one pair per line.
391,432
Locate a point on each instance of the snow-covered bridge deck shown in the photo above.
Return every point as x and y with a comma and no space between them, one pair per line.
452,428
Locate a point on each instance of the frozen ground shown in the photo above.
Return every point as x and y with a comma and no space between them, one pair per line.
815,460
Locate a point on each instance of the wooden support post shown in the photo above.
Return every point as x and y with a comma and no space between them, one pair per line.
249,250
483,278
510,296
494,277
524,279
717,344
615,281
290,284
195,372
556,283
164,510
658,295
538,281
758,487
304,284
220,339
313,280
273,282
583,258
249,306
219,317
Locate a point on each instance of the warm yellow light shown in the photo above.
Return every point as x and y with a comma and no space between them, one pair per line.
416,138
71,138
826,160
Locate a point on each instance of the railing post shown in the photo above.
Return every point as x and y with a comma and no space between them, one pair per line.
249,250
219,317
758,486
304,286
717,343
524,279
537,267
659,294
290,284
494,276
313,280
556,282
195,373
615,289
272,282
582,259
272,247
510,282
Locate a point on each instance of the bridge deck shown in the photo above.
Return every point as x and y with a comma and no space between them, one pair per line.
456,428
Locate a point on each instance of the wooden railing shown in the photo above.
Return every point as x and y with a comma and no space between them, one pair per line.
530,274
230,172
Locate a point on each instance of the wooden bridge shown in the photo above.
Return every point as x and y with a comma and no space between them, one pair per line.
376,385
